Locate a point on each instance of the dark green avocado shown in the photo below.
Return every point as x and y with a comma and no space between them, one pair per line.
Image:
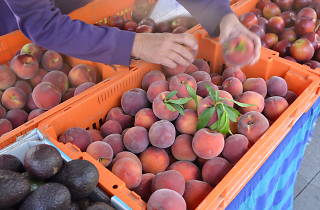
10,162
100,206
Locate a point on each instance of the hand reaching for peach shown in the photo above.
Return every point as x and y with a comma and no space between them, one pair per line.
240,46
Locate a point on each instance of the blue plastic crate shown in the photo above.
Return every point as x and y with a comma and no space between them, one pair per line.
272,187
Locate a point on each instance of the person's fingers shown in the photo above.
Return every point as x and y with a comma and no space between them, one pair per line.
178,59
184,52
168,63
257,48
186,39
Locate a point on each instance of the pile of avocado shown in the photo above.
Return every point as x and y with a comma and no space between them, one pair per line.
45,182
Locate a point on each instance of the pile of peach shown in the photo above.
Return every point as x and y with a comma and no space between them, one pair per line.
37,80
290,27
157,149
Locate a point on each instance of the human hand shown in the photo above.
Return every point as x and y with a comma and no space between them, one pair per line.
231,27
166,49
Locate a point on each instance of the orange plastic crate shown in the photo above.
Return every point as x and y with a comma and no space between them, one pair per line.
91,111
245,6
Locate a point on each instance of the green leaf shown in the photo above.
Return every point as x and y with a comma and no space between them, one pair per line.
178,108
213,94
214,126
170,107
205,117
171,94
192,94
233,114
179,101
239,103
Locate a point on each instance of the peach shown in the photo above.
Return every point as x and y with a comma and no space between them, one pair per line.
3,112
170,179
35,113
156,88
46,96
235,147
145,118
195,193
124,131
252,98
52,60
215,169
274,107
217,79
118,115
277,86
13,98
154,160
101,151
7,77
145,187
187,169
58,79
82,73
5,126
17,117
77,136
291,97
207,144
136,139
115,141
134,100
38,78
84,86
182,148
25,66
202,88
68,94
162,134
200,161
187,123
201,76
32,49
95,135
24,85
126,154
202,65
166,199
258,85
171,72
192,104
191,69
110,127
233,85
233,72
179,82
160,109
151,77
253,125
129,171
227,95
30,103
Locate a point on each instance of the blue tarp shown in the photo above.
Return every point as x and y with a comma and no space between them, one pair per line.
272,187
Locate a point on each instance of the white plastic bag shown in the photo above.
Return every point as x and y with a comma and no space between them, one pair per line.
166,10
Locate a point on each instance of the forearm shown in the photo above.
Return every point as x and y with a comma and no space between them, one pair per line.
44,24
208,13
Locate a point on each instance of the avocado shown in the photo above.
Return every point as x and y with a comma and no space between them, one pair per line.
84,203
53,196
99,196
34,183
10,162
14,187
80,176
75,206
43,161
100,206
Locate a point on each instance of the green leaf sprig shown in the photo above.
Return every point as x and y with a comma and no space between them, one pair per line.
175,104
225,113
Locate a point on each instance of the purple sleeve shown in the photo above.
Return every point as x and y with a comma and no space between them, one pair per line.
208,12
44,24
